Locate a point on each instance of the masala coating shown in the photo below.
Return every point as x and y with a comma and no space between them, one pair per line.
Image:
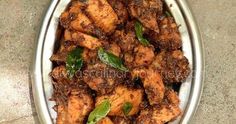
173,66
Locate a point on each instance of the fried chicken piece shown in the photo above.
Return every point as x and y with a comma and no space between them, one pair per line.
86,41
173,66
68,35
158,115
82,39
129,59
105,120
120,96
130,47
71,14
143,55
152,83
60,56
172,97
146,11
169,37
64,49
59,73
167,111
101,78
73,101
115,49
79,105
75,19
89,56
120,10
130,27
70,41
102,15
126,41
61,114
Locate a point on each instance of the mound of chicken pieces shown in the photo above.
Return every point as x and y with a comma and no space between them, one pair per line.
110,24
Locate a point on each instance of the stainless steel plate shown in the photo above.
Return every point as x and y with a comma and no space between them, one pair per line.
190,91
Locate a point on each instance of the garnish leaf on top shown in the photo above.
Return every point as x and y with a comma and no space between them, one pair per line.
110,59
99,112
139,33
74,61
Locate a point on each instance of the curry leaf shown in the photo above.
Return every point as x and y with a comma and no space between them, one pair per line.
139,33
127,108
74,61
111,59
99,112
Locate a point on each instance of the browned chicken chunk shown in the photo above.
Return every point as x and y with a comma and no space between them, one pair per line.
101,78
59,73
102,15
119,97
73,100
89,56
152,83
75,19
61,114
158,115
129,59
114,49
120,10
61,54
71,15
143,55
167,111
70,41
169,37
146,11
127,42
172,97
79,105
82,39
173,66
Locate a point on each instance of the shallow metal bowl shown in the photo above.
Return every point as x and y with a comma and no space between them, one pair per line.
190,90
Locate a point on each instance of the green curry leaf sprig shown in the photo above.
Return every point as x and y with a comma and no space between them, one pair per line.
99,112
139,33
74,61
111,59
